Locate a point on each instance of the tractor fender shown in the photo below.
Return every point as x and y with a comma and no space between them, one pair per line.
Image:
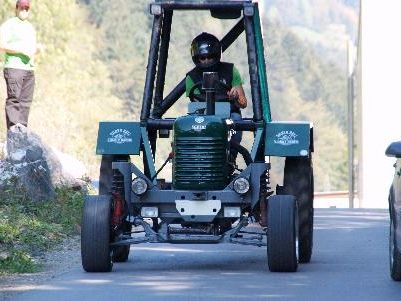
118,138
288,139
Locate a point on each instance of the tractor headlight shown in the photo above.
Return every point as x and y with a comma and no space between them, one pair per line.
232,212
150,212
241,185
139,186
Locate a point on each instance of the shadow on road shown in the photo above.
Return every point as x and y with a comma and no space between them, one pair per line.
349,262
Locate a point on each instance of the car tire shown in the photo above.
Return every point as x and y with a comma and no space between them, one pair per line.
95,234
298,181
282,233
394,254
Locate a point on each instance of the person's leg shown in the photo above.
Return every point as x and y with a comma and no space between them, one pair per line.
14,81
26,96
237,137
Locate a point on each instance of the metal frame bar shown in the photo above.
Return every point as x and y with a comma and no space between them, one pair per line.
256,143
231,236
163,57
203,5
151,68
253,68
264,88
253,172
148,156
167,124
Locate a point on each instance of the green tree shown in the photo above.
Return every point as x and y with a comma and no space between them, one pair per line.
73,87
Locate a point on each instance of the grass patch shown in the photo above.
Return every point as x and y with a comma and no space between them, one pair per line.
28,229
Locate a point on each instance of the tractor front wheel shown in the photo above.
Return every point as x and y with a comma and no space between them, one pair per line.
95,234
282,233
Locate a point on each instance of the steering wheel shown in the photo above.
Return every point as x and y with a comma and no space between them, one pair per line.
196,97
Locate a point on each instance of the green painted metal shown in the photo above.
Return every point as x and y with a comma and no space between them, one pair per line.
200,153
288,139
118,138
264,90
222,109
257,143
148,154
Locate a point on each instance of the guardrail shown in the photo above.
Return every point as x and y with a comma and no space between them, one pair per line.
332,194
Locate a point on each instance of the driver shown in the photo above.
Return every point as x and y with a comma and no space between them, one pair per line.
206,54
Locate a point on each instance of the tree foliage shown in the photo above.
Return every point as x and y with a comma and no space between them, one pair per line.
95,63
73,87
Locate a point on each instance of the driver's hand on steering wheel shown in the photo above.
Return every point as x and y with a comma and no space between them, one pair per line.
237,95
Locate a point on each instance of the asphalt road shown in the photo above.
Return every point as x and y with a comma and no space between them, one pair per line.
350,262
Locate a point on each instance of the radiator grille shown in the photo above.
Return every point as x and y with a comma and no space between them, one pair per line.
200,163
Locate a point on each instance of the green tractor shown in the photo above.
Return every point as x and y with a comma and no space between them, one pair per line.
209,200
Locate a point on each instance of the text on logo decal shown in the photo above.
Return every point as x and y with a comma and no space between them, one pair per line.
120,136
286,138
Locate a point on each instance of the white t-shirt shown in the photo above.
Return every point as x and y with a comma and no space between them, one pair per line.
18,35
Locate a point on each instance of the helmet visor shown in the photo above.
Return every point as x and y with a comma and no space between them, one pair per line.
206,60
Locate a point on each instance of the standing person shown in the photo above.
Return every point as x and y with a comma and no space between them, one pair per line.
18,41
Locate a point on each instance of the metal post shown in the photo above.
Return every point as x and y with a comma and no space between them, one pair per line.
350,86
163,57
210,108
264,90
161,72
232,35
253,68
151,68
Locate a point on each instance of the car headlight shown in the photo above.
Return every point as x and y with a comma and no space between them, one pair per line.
139,186
241,185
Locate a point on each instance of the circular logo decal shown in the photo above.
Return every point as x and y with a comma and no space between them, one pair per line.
199,119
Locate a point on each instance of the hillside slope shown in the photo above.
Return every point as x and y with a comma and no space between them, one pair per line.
95,60
73,87
325,25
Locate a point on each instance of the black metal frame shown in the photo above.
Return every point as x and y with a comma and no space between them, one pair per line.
155,105
157,66
205,4
158,54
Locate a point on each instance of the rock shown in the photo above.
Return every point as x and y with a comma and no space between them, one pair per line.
3,151
32,166
71,165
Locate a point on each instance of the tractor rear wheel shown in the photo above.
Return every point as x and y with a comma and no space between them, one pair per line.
95,234
282,233
298,181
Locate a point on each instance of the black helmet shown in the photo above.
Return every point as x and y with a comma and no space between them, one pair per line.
206,44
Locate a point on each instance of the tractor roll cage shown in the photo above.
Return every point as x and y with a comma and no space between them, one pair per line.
158,55
203,4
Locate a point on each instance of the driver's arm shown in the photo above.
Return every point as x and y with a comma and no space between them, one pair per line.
237,92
